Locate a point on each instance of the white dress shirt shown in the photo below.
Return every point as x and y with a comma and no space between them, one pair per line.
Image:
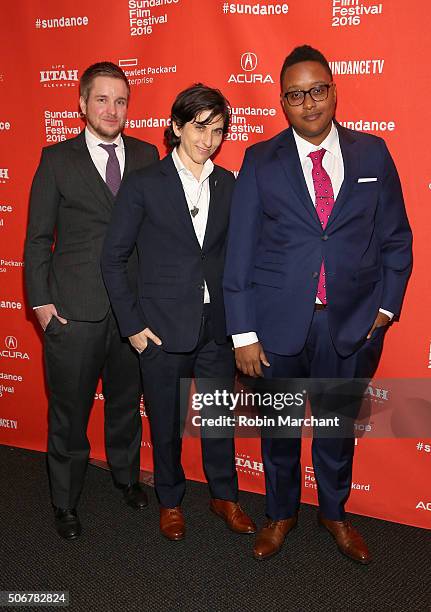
334,166
197,193
100,156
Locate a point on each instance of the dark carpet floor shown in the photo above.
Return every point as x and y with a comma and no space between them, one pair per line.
121,563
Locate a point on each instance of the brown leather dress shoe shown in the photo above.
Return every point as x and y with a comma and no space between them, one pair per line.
172,523
233,515
348,539
271,537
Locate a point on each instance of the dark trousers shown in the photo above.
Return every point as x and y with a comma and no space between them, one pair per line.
76,354
161,374
332,457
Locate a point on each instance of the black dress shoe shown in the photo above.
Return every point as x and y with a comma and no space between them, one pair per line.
67,523
135,496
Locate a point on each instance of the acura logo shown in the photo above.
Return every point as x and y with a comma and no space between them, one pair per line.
11,342
248,61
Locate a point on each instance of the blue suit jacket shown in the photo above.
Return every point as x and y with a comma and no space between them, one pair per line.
276,245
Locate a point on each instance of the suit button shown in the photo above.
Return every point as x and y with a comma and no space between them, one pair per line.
315,274
325,237
202,256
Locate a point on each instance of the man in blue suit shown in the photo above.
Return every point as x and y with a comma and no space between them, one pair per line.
318,258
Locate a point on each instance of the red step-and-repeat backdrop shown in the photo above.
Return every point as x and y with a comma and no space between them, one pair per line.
376,50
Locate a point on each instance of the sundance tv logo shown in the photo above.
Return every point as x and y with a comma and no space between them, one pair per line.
249,62
11,352
59,76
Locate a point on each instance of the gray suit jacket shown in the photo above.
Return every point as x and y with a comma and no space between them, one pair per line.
70,209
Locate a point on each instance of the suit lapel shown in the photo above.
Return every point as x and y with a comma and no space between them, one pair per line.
351,170
89,173
288,156
132,161
175,195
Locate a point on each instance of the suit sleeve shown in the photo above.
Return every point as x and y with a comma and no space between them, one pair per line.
44,202
395,237
120,240
155,153
243,238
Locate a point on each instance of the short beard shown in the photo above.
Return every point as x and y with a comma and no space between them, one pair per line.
105,135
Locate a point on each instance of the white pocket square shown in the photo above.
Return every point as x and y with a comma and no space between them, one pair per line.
367,180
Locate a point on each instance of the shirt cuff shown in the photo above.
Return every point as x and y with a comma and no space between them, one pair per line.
41,306
387,312
244,339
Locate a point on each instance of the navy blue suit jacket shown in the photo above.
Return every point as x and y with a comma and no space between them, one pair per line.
276,245
151,211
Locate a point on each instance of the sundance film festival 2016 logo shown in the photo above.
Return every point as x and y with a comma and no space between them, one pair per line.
141,18
347,13
4,208
10,351
59,76
249,62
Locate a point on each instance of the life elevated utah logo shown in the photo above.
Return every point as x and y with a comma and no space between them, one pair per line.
11,352
59,76
249,62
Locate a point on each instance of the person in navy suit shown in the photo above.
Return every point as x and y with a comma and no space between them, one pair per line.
177,214
318,258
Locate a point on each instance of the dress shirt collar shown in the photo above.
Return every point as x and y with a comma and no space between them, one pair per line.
93,141
181,169
331,144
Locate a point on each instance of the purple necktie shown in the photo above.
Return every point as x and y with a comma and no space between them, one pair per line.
324,205
113,172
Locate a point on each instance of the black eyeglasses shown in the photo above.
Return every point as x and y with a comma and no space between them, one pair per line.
317,93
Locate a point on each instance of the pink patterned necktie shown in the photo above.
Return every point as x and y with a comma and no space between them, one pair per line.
324,205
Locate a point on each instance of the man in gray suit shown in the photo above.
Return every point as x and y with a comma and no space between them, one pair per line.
71,202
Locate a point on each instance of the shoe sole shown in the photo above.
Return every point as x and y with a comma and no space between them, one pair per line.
260,558
361,561
137,506
173,539
228,526
75,536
